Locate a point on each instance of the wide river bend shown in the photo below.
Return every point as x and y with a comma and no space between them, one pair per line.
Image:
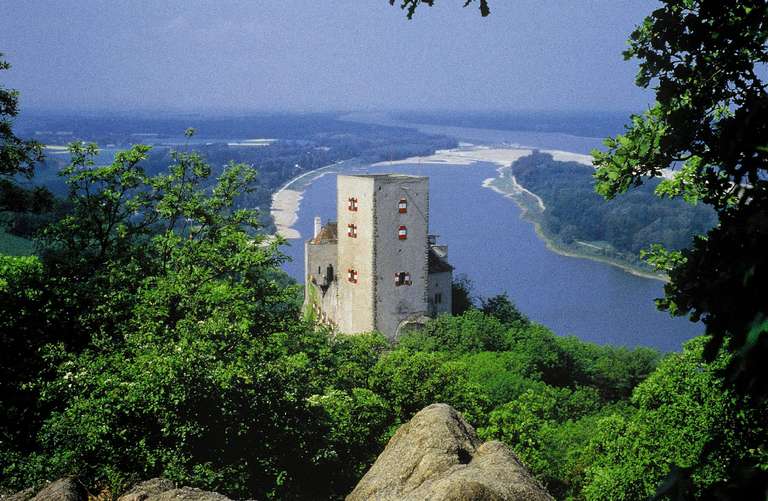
490,243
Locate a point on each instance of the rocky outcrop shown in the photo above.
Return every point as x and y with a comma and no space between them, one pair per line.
438,456
24,495
64,489
160,489
148,489
157,489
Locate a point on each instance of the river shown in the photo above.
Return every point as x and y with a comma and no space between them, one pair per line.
500,252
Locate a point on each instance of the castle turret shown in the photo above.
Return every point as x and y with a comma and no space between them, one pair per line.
317,227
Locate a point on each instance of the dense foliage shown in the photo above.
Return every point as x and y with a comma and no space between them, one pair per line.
628,225
18,159
706,61
171,344
17,156
676,412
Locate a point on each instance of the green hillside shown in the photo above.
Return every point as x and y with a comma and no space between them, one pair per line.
172,345
13,245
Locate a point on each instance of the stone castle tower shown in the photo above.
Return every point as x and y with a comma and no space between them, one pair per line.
377,268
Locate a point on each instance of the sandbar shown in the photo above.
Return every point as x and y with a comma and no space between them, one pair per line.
285,212
466,156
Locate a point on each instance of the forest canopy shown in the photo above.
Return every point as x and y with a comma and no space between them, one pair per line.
173,346
629,224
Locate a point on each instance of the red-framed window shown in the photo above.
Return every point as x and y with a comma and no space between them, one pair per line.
352,204
402,232
352,275
352,230
402,206
402,278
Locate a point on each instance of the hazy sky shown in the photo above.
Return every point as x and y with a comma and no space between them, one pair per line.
320,55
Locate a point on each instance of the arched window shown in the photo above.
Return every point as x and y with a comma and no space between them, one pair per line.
352,230
402,232
352,275
352,204
402,206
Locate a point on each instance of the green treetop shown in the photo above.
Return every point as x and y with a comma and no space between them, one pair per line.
710,124
16,155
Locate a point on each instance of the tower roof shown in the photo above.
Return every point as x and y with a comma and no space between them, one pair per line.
437,264
328,234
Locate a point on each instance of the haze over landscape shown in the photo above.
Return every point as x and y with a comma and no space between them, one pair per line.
308,56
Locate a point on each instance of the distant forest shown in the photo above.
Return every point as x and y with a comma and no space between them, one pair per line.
592,124
628,224
304,142
123,128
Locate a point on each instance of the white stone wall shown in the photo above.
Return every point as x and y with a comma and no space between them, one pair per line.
356,305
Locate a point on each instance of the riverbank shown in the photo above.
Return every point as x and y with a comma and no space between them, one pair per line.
516,188
287,200
532,207
530,203
285,212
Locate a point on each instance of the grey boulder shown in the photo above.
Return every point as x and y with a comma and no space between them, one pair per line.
438,456
160,489
64,489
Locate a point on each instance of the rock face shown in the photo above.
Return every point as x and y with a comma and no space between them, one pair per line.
438,456
145,490
24,495
64,489
160,489
157,489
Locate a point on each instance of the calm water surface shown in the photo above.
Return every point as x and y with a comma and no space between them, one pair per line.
489,242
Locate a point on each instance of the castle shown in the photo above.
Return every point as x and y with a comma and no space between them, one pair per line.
377,268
